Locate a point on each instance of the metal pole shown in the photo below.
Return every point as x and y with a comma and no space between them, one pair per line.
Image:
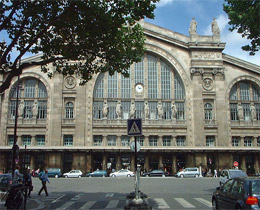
15,127
135,155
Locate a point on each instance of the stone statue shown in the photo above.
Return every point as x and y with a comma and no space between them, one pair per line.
35,109
105,109
118,110
21,109
174,110
253,111
193,27
240,112
214,27
132,110
160,110
146,110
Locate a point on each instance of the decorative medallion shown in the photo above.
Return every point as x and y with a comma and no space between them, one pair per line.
207,84
70,82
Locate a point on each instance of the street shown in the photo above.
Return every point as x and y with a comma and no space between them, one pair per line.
110,193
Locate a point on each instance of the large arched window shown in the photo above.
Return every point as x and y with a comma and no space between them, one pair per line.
152,82
244,101
32,100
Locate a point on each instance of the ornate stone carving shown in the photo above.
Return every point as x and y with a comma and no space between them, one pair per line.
193,27
207,84
70,82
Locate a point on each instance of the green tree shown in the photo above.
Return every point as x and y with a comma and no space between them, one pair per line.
244,16
81,37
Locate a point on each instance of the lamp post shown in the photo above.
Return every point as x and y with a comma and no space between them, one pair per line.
15,149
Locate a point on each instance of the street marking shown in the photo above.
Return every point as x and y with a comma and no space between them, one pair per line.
109,195
87,205
184,203
112,204
56,200
161,203
205,202
66,205
76,197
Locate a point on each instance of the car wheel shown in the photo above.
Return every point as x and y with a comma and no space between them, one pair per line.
90,176
103,176
56,176
214,204
147,175
79,176
182,176
65,176
196,175
113,175
163,175
128,175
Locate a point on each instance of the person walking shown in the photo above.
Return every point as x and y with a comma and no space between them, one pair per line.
215,173
28,183
17,175
44,178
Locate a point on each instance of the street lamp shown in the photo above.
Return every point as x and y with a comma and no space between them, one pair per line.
15,149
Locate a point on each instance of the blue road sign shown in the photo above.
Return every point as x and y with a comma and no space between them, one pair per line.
134,127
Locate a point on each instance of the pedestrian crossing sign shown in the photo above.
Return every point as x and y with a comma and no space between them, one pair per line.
134,127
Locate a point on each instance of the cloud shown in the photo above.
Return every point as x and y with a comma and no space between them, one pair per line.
162,3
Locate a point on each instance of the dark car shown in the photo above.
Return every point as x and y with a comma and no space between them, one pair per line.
238,193
157,172
5,181
97,173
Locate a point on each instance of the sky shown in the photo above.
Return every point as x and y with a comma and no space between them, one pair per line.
176,15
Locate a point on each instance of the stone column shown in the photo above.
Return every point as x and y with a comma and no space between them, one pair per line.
146,161
146,141
160,162
160,141
242,141
104,161
243,163
256,163
89,163
174,164
174,141
32,162
118,141
255,141
118,162
19,141
34,142
104,141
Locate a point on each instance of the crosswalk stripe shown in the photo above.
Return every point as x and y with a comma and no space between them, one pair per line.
205,202
66,205
56,200
112,204
184,203
87,205
161,203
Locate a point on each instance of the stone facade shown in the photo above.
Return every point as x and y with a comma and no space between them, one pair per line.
71,129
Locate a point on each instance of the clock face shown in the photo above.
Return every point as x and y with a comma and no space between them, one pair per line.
139,88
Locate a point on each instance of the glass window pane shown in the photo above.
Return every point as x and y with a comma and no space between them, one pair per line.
178,87
97,109
139,113
68,140
40,140
26,140
126,86
29,89
233,93
165,81
139,72
166,110
153,110
111,110
246,111
42,109
180,115
111,140
99,87
97,141
28,109
152,76
69,110
42,93
112,86
244,91
126,109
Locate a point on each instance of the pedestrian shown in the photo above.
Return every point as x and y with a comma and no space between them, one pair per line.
17,175
28,183
44,179
215,173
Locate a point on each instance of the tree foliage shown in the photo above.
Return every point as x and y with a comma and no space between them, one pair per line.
80,37
244,16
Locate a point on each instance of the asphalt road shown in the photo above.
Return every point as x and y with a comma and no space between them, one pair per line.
111,193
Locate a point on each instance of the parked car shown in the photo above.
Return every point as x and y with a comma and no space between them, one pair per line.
238,193
5,181
54,172
121,173
97,173
188,172
73,174
227,174
157,172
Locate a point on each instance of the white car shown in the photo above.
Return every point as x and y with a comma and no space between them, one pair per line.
73,174
122,173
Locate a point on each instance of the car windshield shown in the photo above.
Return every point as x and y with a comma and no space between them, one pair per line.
256,187
234,174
